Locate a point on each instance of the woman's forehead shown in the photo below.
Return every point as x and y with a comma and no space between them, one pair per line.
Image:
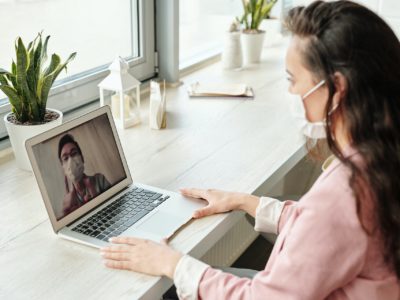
295,60
293,54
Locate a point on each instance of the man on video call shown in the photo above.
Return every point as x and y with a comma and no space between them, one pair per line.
79,187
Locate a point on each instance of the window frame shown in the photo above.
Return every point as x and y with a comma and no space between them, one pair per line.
80,89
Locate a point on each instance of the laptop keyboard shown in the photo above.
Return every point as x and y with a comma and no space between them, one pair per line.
121,214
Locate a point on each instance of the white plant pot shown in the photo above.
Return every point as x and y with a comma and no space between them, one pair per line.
20,133
252,44
232,54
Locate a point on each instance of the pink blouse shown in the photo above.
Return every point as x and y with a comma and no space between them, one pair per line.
322,252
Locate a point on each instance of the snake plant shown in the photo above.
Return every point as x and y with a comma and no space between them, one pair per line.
28,84
254,12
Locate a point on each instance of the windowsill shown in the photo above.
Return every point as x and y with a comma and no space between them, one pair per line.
197,62
185,68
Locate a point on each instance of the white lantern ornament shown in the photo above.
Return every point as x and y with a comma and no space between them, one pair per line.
123,90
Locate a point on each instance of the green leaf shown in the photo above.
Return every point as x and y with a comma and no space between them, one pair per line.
37,63
267,8
44,89
255,11
31,80
28,97
252,5
38,53
32,44
4,72
54,63
47,82
44,49
22,65
13,97
30,73
64,65
257,15
244,19
22,58
35,109
13,78
13,68
3,80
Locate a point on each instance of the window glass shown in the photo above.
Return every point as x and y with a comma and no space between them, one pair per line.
97,30
202,25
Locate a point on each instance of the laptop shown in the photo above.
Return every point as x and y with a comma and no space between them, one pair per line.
88,190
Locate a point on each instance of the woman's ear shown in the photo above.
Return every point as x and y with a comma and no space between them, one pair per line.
341,88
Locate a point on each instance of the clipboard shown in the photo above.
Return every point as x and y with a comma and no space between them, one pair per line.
214,90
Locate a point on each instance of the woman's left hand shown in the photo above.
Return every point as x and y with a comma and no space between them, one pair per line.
142,256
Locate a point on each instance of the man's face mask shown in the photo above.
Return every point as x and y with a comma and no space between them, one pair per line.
314,130
73,167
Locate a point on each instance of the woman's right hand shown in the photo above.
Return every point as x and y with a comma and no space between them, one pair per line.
221,201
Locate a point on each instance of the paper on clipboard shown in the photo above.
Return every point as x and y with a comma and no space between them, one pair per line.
220,90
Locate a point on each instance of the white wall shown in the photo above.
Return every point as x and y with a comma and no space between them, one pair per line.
389,10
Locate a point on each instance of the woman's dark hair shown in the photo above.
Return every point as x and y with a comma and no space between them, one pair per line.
68,139
348,38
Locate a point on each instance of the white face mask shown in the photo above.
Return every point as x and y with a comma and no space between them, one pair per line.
74,168
314,130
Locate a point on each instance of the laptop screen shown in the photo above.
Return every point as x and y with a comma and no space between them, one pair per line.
78,165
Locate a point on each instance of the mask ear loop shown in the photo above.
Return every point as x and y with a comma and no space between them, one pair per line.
322,82
333,109
330,112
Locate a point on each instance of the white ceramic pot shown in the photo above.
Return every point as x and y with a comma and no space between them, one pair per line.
252,44
232,54
20,133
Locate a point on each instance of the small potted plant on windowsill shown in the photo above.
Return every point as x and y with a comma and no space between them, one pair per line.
27,87
255,11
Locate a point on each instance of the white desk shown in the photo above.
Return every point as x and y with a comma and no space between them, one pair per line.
241,145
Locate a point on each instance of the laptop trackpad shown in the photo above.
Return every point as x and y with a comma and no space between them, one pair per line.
160,223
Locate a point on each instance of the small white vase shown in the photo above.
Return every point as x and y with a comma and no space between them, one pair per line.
232,54
20,133
252,44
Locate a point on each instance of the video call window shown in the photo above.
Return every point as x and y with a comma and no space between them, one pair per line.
78,165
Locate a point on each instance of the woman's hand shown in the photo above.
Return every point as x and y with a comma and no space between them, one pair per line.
142,256
221,201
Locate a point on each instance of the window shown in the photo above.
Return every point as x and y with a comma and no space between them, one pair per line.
202,27
97,30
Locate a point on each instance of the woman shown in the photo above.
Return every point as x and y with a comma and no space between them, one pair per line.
341,240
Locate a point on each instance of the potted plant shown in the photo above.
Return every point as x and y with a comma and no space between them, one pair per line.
255,11
27,87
